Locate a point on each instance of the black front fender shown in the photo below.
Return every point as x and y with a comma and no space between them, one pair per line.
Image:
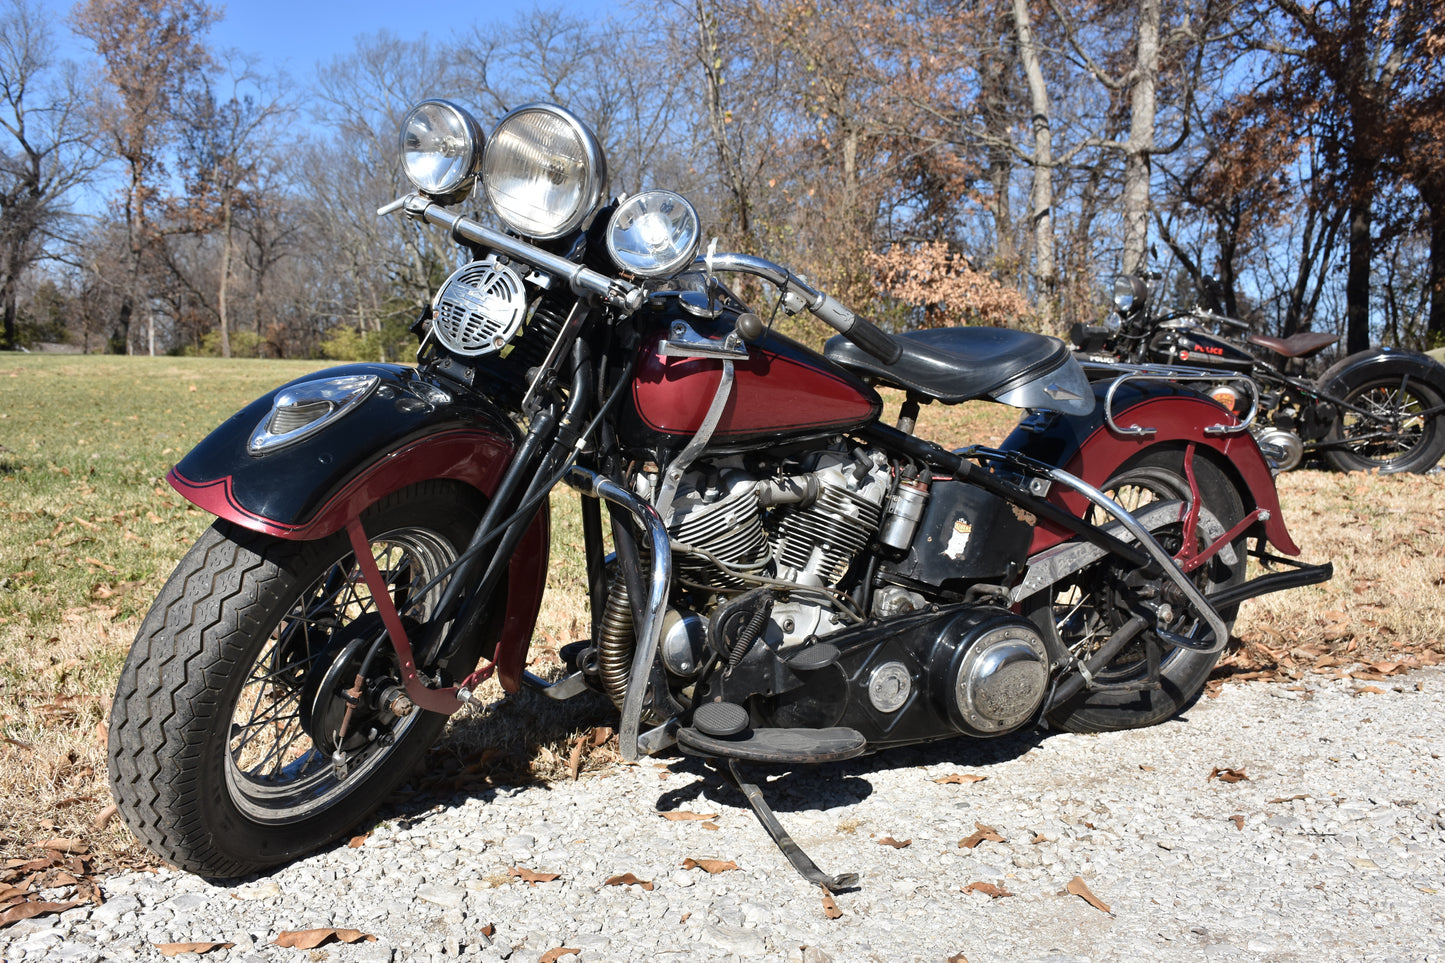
405,431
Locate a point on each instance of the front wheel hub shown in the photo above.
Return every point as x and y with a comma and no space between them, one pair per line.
370,704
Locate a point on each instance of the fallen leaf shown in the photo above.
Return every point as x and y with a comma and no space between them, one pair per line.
103,818
1285,799
709,865
530,877
830,905
956,958
628,879
574,761
983,833
357,841
987,889
310,939
679,816
1228,775
30,910
176,949
601,734
1238,821
1373,689
489,930
958,778
1076,887
890,841
77,846
1038,838
552,956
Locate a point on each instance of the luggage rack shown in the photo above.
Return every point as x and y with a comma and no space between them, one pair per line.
1123,373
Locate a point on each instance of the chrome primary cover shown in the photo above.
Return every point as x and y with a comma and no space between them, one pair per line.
480,308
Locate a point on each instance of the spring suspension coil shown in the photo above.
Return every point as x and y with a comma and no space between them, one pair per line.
615,642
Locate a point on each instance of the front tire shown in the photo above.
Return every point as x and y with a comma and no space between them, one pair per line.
228,709
1398,438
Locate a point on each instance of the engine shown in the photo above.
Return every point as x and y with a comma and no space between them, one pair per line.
803,525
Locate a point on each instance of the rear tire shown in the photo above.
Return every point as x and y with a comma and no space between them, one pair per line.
1079,614
226,714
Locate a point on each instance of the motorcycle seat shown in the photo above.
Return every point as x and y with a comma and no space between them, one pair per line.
954,365
1298,345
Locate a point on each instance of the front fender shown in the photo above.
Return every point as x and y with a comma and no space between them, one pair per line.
397,437
1085,446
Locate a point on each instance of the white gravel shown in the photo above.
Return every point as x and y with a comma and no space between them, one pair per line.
1332,849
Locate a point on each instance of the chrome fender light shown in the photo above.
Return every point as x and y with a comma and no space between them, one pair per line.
304,409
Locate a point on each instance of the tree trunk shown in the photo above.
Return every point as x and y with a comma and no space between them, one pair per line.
1435,323
1357,276
225,274
710,55
1140,145
1042,196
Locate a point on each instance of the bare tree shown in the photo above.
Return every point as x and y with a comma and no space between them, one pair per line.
151,51
48,153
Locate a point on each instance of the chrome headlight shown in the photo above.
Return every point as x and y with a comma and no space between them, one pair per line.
543,171
1129,293
304,409
654,234
441,146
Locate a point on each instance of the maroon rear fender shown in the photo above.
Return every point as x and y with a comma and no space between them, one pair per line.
1086,447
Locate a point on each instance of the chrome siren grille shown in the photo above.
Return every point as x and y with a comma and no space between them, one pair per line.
480,308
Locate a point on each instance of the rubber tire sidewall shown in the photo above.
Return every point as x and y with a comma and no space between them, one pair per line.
1183,675
191,819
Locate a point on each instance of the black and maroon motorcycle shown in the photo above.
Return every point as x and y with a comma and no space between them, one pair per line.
791,579
1381,409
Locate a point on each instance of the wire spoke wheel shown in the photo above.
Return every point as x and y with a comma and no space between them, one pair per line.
278,768
1393,429
1085,609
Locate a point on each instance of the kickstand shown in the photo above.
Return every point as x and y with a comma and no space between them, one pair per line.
800,860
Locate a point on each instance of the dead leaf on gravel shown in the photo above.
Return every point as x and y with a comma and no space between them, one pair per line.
310,939
956,958
553,955
959,778
1370,689
680,816
1227,775
890,841
628,879
176,949
987,889
709,865
983,833
1285,799
1238,821
530,877
357,841
1077,888
830,905
30,910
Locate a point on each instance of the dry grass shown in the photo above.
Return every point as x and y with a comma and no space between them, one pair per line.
81,554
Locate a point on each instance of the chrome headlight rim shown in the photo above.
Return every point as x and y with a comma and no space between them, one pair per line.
1129,293
301,410
459,179
590,191
671,211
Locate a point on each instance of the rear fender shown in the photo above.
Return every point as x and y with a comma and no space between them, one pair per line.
1085,446
399,436
1363,366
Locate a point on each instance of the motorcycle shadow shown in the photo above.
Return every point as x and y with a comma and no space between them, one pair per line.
839,784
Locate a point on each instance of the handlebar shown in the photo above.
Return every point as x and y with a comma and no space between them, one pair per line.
828,309
1213,318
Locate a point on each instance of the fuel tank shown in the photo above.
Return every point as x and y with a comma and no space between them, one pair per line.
1188,345
782,392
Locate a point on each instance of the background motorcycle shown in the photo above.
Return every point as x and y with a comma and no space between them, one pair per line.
1380,409
793,581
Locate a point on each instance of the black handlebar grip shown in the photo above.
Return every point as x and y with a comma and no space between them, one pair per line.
865,334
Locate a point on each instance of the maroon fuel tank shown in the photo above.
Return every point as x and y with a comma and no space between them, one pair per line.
782,392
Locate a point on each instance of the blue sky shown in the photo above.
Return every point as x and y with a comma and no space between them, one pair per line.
299,34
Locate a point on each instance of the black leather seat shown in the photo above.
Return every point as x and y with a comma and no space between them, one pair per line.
952,365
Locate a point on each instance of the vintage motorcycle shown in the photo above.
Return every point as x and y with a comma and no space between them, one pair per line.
790,581
1381,409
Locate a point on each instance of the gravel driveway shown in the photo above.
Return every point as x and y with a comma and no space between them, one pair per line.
1274,822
